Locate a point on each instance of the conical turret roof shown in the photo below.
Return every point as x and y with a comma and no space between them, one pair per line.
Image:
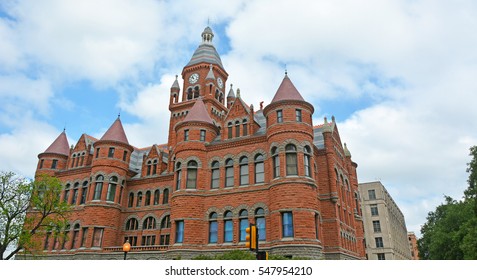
287,91
116,132
60,145
198,112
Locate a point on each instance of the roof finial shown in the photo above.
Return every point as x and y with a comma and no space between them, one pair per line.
286,72
119,114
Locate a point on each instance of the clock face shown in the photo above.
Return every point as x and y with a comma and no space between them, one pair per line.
220,83
194,78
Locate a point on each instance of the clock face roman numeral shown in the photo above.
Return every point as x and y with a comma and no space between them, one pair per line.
193,78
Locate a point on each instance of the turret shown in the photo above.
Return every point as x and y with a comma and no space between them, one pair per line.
175,90
55,157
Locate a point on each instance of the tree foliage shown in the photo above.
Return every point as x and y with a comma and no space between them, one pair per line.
27,210
450,232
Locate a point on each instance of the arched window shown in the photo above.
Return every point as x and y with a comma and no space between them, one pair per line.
73,161
189,94
84,191
165,196
243,223
166,222
259,169
148,168
154,167
307,160
237,129
291,160
75,242
244,127
65,236
229,130
156,197
132,224
149,223
213,228
191,175
229,173
147,199
82,159
276,163
178,176
98,188
260,222
214,181
196,92
244,180
139,199
228,227
113,181
75,193
131,200
66,195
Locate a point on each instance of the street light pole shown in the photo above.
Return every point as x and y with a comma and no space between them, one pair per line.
126,248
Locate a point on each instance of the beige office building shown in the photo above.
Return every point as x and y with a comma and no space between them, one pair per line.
384,226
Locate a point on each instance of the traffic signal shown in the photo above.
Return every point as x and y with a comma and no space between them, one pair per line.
251,237
262,255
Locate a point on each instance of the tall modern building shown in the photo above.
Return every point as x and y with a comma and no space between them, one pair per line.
384,224
226,164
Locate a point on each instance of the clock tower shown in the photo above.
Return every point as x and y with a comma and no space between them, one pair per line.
205,78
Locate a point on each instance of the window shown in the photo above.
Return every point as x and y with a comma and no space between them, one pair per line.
131,200
372,194
229,173
66,194
75,242
191,182
149,223
166,222
97,152
113,182
148,172
84,236
259,169
47,240
317,226
243,223
65,236
73,161
214,182
298,115
132,224
381,256
82,159
75,193
111,152
139,199
374,210
244,171
276,163
260,222
213,227
125,155
148,240
291,160
156,197
237,129
41,163
186,135
178,176
379,242
179,231
54,163
84,191
229,130
98,188
202,135
228,227
147,199
307,161
154,167
165,196
131,239
376,226
244,127
279,116
287,224
165,238
97,237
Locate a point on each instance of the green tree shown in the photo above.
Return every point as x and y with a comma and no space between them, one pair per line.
450,232
27,210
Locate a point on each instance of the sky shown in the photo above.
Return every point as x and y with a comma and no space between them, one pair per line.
399,76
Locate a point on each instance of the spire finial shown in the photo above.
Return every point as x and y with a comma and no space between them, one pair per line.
119,114
177,76
286,72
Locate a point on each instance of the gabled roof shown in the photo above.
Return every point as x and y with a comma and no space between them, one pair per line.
198,112
60,145
116,133
287,91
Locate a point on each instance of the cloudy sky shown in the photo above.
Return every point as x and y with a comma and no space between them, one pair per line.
400,77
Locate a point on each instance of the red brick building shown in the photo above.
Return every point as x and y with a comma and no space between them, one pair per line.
225,165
